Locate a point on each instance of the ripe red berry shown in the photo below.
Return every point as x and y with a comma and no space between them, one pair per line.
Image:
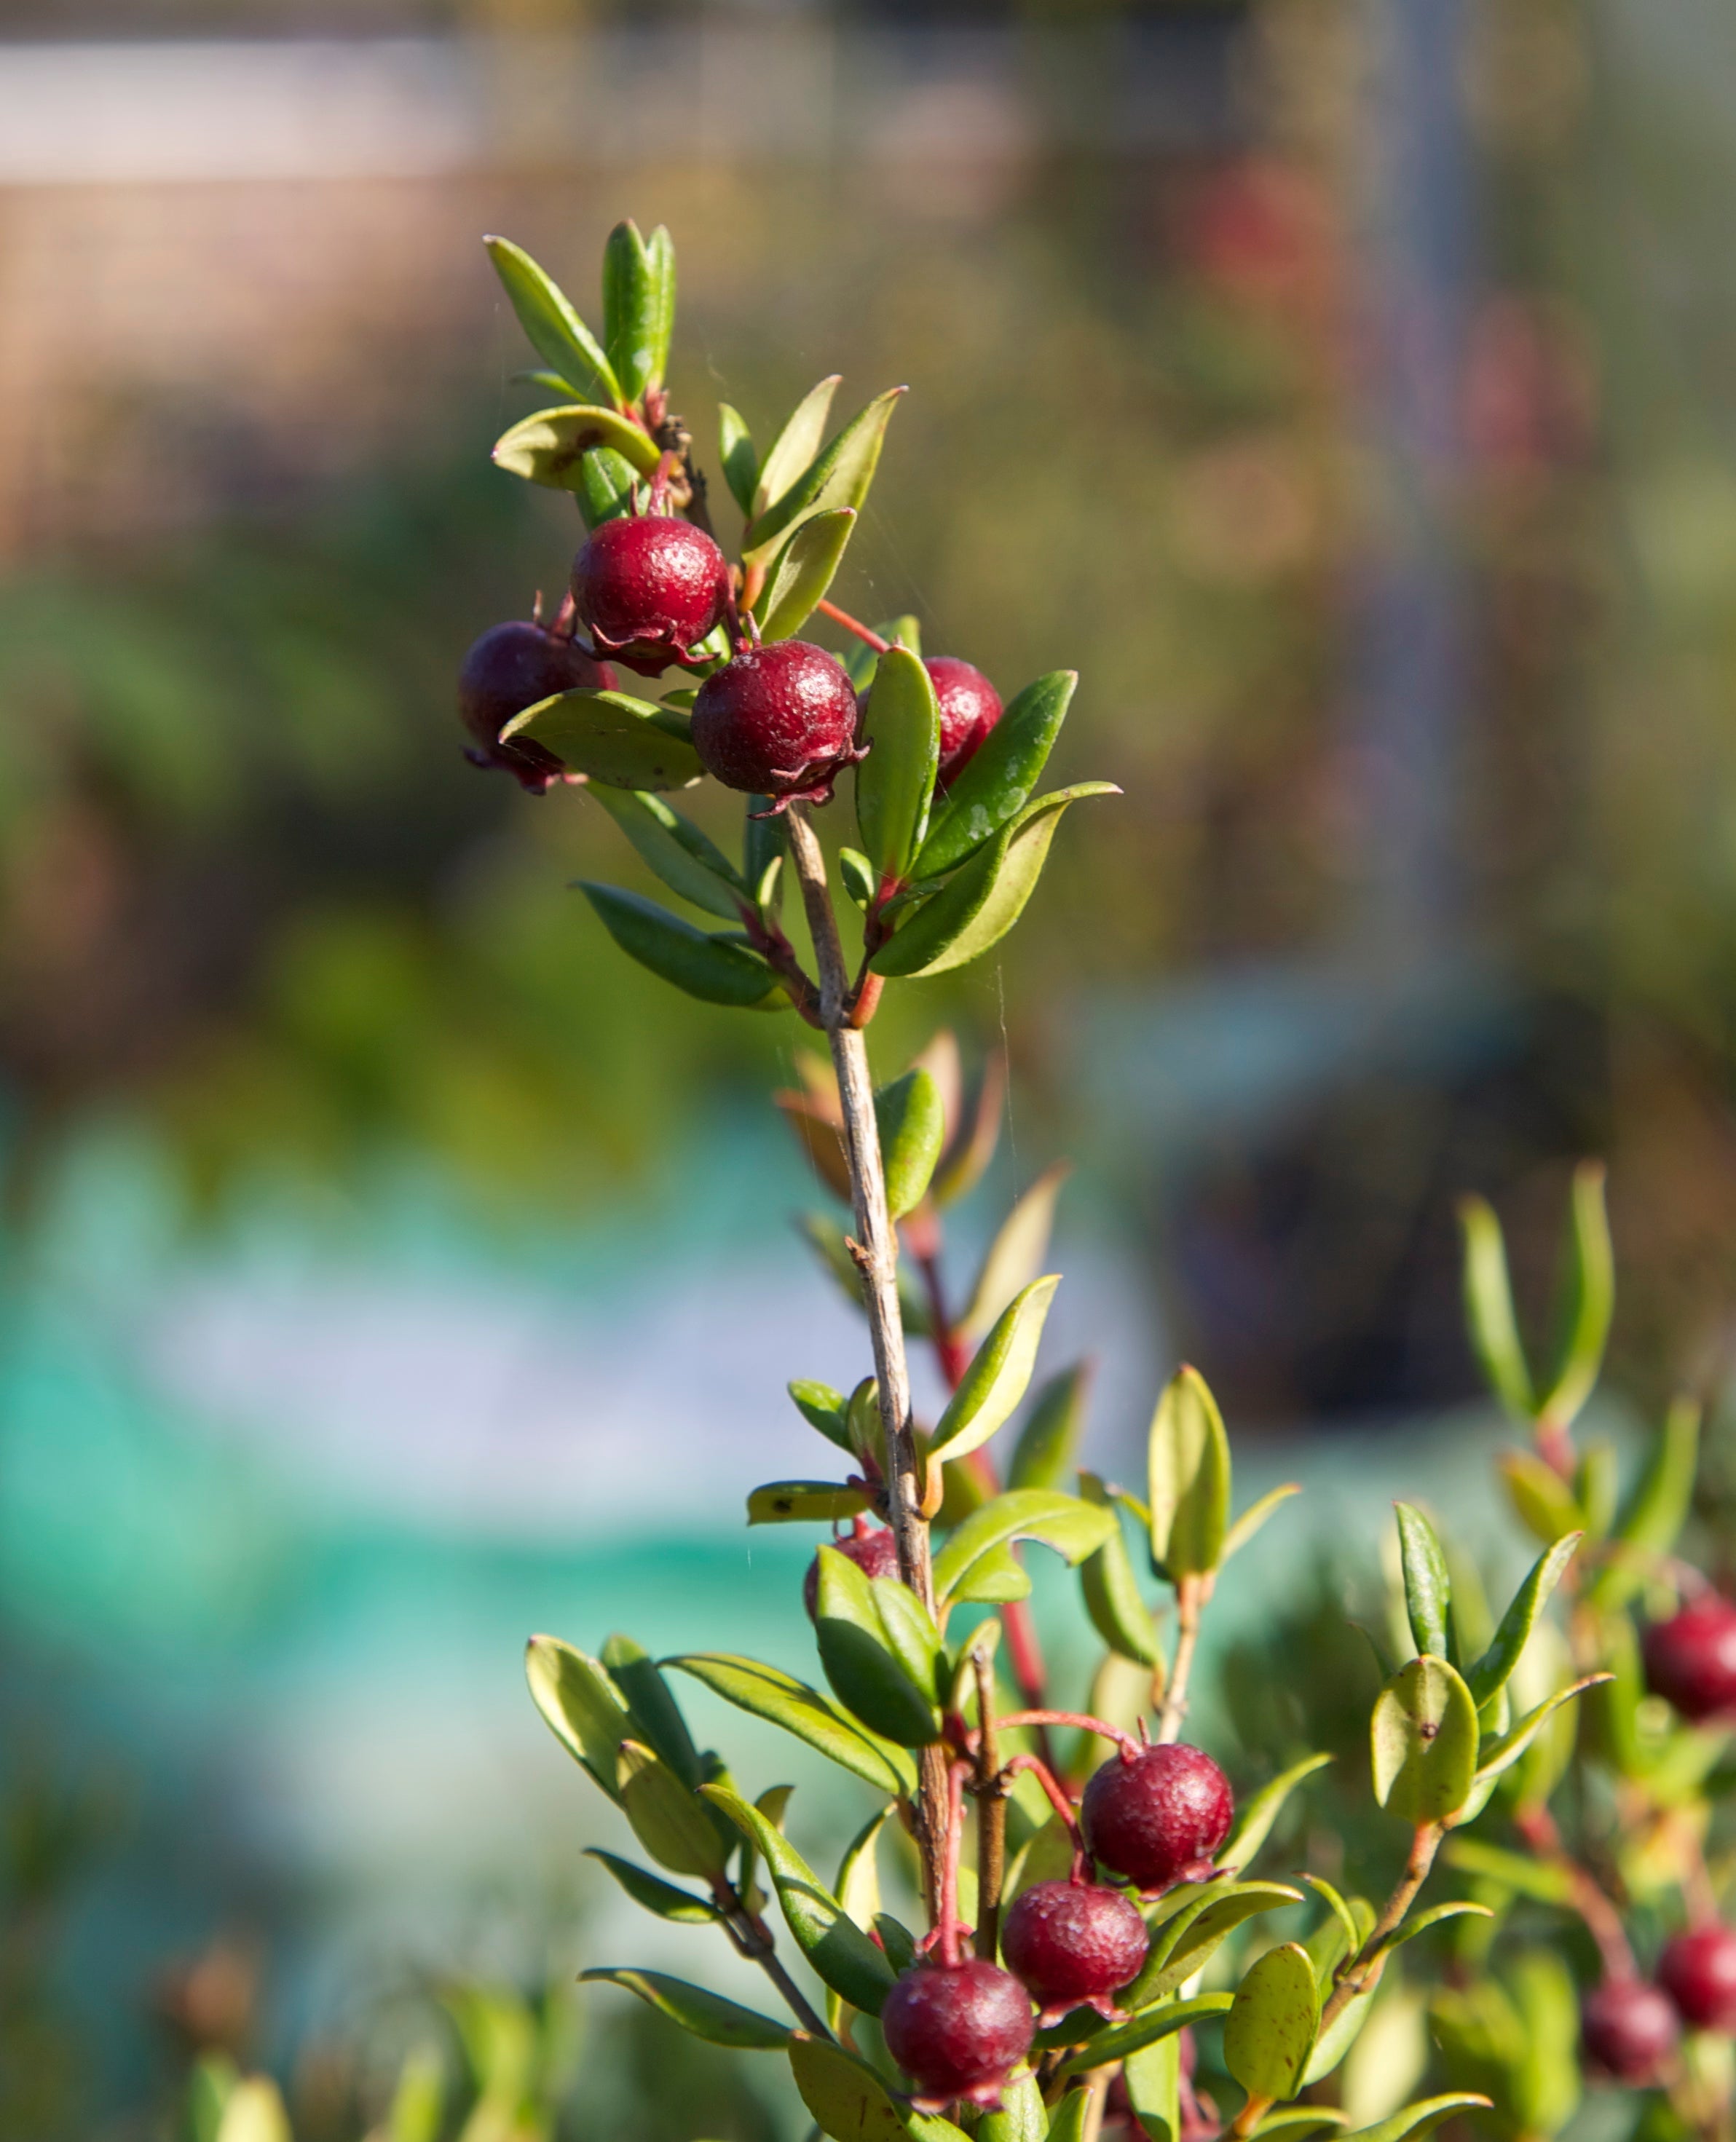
872,1549
1698,1971
1628,2029
1158,1816
1072,1944
777,721
1691,1659
511,668
957,2029
970,706
649,587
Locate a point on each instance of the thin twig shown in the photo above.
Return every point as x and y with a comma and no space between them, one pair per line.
990,1793
862,631
755,1940
1362,1971
1190,1596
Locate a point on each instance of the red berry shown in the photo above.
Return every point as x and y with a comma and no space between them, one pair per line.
872,1548
648,588
1691,1659
1698,1971
777,721
1158,1816
511,668
1071,1943
957,2029
1627,2030
970,706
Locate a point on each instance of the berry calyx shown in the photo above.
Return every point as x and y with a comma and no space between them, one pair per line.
777,721
970,706
1627,2030
1690,1660
872,1548
510,668
648,588
957,2029
1157,1815
1698,1971
1073,1944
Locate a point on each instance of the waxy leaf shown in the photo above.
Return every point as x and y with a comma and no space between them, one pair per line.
838,1950
1068,2124
840,476
857,1886
1021,2117
554,329
1660,1507
1188,1469
712,969
847,2099
1203,1919
794,451
1015,1255
1341,2034
1493,1671
1119,1614
654,1716
580,1706
804,1503
1423,1738
1254,1823
912,1126
1152,2076
804,569
654,1893
860,660
1073,1528
1545,1503
667,1818
858,876
1254,1516
1346,1917
1269,2031
866,1673
638,306
822,1408
1436,1915
1489,1309
995,783
1420,2119
686,860
1427,1588
736,457
1589,1302
612,738
547,446
1290,2122
1043,1455
768,1692
900,725
1505,1749
999,1374
707,2015
605,485
996,1579
1146,2029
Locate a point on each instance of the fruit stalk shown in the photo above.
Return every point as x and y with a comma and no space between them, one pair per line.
1191,1598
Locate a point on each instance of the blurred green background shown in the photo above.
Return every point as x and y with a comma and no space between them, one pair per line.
390,1268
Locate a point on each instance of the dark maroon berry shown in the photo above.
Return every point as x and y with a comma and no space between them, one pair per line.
1627,2030
970,706
872,1548
1073,1944
511,668
1158,1816
777,721
1690,1660
1698,1971
649,587
957,2029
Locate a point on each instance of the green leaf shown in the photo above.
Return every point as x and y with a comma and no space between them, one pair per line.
840,476
1146,2029
686,860
667,1818
580,1706
1269,2031
707,2015
1436,1915
1496,1754
822,1408
1254,1516
1489,1314
417,2110
1068,2125
1152,2080
1544,1501
1258,1816
1660,1509
1494,1668
1542,1881
1043,1455
1187,1469
1015,1255
974,910
847,2099
1339,2036
999,1375
1341,1912
838,1950
1021,2117
735,452
804,570
1118,1613
857,874
1420,2119
1073,1528
654,1893
653,1714
712,969
861,661
1423,1738
638,306
868,1676
605,484
768,1692
794,451
254,2112
1596,1486
857,1886
996,1579
912,1122
1183,1943
995,783
900,725
1589,1299
547,446
554,329
612,737
1292,2121
1427,1588
804,1503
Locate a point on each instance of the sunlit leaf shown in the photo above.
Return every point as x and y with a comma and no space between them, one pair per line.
554,329
547,447
713,968
705,2013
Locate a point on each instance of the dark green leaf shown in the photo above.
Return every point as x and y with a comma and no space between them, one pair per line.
1420,2119
1292,2121
804,1503
763,840
605,485
708,968
1073,1528
804,570
654,1893
912,1126
1589,1301
1043,1455
1427,1588
686,860
840,476
707,2015
995,782
1188,1469
1068,2124
1193,1932
1146,2029
1494,1668
767,1692
860,660
547,447
1269,2031
1015,1257
1423,1739
638,306
554,329
1253,1826
654,1716
848,2100
900,725
615,738
1118,1613
579,1704
897,1941
1489,1309
735,452
999,1374
857,874
794,451
867,1674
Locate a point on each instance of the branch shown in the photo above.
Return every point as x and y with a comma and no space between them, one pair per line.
1191,1598
755,1940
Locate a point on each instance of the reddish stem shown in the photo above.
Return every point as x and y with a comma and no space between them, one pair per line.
1058,1800
853,624
1100,1726
946,1929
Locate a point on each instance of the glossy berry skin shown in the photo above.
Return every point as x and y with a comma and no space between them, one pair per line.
1690,1660
1158,1818
511,668
957,2029
1698,1971
1072,1945
1627,2030
970,706
648,588
777,721
872,1548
